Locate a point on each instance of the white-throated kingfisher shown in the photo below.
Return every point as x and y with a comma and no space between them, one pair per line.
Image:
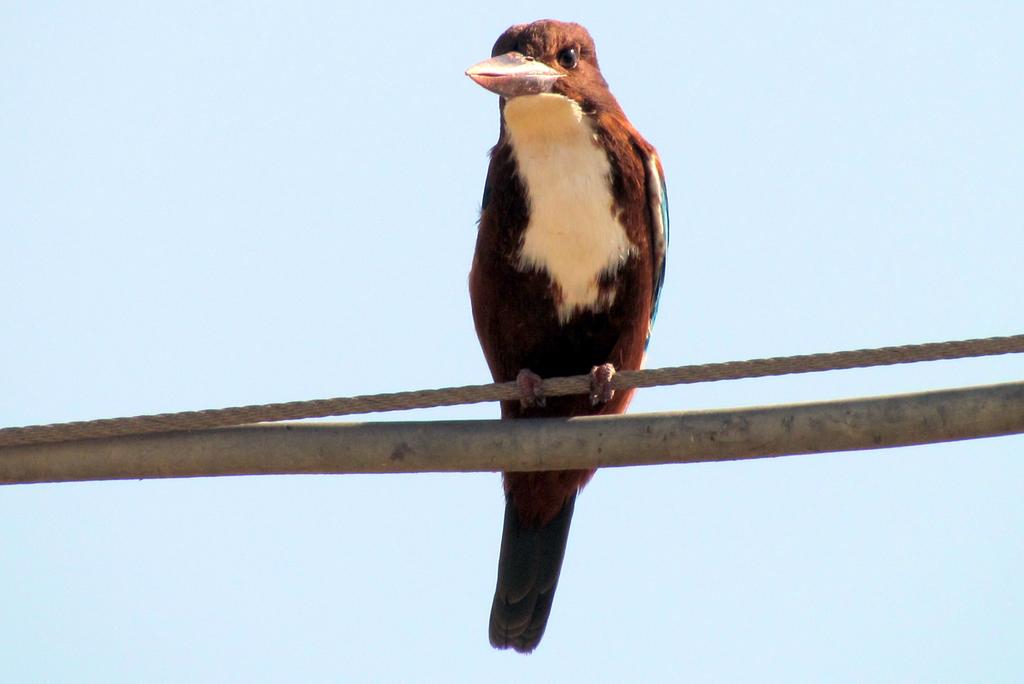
569,262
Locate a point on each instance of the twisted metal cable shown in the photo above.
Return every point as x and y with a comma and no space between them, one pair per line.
508,391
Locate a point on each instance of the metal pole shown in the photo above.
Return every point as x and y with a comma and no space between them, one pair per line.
548,444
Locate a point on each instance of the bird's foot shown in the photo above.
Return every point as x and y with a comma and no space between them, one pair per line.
530,391
601,391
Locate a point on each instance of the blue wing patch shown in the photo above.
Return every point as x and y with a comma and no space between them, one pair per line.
657,199
486,199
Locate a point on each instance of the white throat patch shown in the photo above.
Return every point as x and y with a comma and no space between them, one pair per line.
574,234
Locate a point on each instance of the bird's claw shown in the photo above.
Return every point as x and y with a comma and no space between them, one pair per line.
601,391
531,393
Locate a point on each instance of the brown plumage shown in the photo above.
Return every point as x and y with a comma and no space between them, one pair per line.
516,312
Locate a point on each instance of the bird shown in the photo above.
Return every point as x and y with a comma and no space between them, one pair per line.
565,279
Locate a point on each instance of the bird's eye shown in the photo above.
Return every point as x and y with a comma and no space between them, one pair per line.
568,58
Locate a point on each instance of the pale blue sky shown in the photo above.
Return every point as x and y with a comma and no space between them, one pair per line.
211,204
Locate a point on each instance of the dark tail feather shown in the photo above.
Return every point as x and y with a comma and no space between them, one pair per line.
528,567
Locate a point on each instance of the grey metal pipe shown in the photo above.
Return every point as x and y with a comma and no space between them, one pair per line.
547,444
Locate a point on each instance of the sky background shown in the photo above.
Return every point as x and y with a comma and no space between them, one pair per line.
207,204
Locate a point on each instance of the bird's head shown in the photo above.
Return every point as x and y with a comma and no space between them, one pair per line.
546,57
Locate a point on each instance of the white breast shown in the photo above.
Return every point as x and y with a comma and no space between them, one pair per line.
574,233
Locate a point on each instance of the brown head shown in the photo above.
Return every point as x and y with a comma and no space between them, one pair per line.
546,56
